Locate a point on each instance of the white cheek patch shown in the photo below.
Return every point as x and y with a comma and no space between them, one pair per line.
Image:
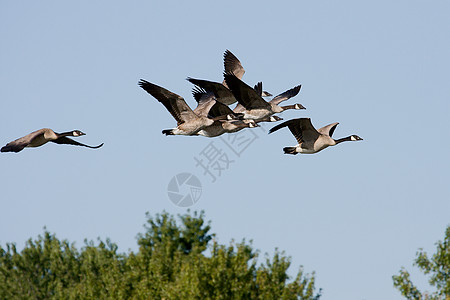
353,138
75,133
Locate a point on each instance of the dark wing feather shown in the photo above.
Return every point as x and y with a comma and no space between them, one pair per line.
222,93
220,109
174,103
66,140
258,88
286,95
244,94
198,93
308,132
13,147
20,143
232,64
332,130
294,127
205,100
301,129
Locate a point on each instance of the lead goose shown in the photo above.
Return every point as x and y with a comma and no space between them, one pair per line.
221,91
309,139
188,122
225,120
43,136
253,105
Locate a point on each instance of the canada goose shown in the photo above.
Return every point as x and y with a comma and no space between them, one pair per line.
309,139
219,112
188,122
253,105
43,136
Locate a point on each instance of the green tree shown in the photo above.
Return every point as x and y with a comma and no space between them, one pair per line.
437,266
174,261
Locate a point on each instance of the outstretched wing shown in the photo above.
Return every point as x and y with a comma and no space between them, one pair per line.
328,130
222,93
205,103
258,88
301,129
231,64
174,103
220,109
66,140
20,143
286,95
244,94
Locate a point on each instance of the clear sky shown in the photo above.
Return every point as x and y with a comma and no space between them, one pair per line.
354,213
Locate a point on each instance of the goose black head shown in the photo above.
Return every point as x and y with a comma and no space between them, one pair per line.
78,133
355,138
275,119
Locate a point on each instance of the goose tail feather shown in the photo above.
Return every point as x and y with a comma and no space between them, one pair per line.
289,150
168,132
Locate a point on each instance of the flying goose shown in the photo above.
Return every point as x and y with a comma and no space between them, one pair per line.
188,121
225,120
309,139
43,136
253,105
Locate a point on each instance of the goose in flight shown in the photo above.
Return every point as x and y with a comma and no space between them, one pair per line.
43,136
309,139
188,121
253,105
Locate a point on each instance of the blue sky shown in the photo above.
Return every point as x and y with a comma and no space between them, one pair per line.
354,213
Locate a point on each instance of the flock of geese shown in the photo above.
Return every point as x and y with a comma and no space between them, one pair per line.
213,116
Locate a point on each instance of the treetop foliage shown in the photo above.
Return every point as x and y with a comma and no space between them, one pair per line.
437,266
174,261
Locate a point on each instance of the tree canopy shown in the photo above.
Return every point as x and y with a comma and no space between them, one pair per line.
174,261
437,266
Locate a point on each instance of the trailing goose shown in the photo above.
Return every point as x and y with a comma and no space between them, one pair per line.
225,120
43,136
188,122
253,105
221,91
309,139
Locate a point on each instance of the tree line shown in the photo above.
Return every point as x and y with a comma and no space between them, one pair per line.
178,260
